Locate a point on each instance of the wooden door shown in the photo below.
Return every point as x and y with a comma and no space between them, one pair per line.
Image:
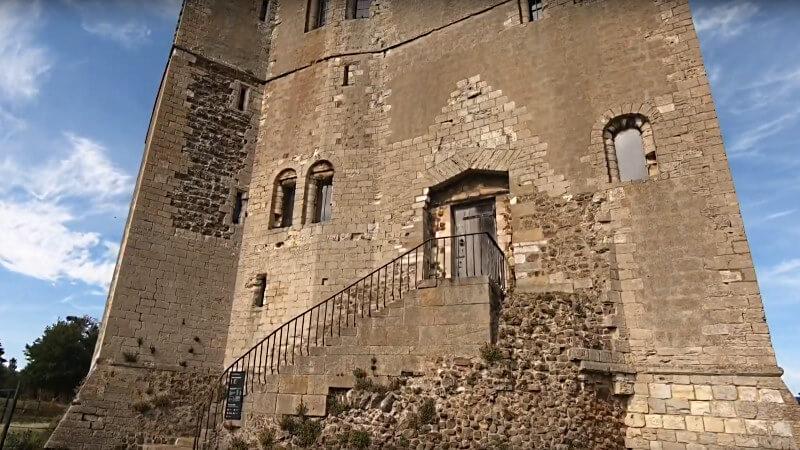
470,222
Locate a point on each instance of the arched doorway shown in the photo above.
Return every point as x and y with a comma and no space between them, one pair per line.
467,208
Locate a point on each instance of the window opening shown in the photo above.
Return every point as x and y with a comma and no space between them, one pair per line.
324,199
264,11
260,295
242,99
347,75
319,193
240,207
536,9
288,189
630,149
358,9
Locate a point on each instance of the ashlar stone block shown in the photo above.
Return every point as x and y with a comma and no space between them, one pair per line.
659,390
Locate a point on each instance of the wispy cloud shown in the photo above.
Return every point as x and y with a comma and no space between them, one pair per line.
747,141
110,19
39,208
786,273
10,125
129,34
726,20
779,214
23,60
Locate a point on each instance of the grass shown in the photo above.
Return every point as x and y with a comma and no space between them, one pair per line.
266,438
26,440
238,443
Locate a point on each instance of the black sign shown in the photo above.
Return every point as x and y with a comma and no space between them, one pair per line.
233,405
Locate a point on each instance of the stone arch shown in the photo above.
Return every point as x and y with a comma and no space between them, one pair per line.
319,192
615,128
603,164
284,197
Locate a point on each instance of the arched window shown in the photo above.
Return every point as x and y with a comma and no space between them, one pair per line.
630,150
319,192
283,199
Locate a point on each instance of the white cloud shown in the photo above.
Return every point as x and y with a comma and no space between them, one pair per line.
129,34
726,20
35,240
39,209
23,60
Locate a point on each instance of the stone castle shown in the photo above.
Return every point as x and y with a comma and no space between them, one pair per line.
434,224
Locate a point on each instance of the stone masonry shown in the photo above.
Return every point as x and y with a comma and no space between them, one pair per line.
632,317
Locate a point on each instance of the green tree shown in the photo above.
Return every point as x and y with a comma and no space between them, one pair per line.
60,359
3,369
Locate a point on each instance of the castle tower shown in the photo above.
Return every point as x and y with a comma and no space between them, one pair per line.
297,145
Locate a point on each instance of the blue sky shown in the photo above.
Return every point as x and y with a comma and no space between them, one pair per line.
77,83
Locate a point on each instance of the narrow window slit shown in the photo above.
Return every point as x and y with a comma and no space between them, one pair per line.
260,292
264,11
346,76
240,207
242,98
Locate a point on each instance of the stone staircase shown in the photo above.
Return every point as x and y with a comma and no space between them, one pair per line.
400,318
450,318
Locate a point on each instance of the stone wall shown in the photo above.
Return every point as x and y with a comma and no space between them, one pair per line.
629,300
448,89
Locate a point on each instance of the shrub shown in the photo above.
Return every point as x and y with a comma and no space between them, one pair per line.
427,412
288,424
300,427
360,439
141,406
266,438
161,400
335,406
307,432
238,443
491,353
365,384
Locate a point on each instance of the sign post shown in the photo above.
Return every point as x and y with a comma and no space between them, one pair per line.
235,396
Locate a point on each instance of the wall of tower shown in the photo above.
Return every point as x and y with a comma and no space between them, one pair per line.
164,330
476,85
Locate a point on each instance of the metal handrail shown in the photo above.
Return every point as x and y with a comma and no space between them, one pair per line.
364,296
